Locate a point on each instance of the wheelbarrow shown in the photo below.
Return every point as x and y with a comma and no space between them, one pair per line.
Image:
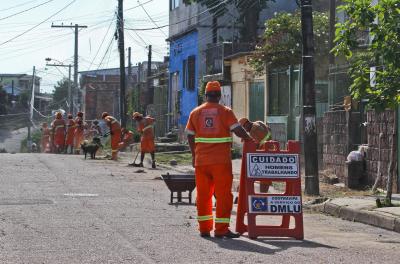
178,184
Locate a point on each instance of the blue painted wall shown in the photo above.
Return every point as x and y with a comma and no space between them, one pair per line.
180,50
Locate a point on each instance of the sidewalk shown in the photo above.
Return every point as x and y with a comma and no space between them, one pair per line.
363,210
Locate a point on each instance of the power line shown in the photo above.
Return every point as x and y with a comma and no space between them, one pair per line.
26,10
22,4
144,9
105,54
43,21
101,44
178,22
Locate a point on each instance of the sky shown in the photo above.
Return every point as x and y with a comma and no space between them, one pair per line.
97,48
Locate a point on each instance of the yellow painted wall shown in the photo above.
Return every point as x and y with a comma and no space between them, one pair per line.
241,76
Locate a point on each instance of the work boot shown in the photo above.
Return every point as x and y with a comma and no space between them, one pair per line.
228,234
205,234
140,165
153,164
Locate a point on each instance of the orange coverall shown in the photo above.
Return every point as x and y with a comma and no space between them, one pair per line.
45,141
115,132
58,127
211,124
69,140
146,127
79,133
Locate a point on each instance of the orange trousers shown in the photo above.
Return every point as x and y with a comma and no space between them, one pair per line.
115,140
214,179
79,137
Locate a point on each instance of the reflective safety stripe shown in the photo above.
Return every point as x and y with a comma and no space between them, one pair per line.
60,126
222,220
114,150
266,138
213,140
204,218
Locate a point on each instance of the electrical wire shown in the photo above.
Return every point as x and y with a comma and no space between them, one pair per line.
105,54
43,21
101,44
178,22
144,9
18,5
26,10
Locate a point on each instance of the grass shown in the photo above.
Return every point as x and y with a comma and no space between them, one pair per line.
181,158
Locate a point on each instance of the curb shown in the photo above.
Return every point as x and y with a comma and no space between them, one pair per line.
362,216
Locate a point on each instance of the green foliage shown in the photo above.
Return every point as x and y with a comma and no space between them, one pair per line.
382,22
201,92
61,90
282,41
36,138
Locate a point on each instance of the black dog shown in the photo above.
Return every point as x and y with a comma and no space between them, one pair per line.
91,147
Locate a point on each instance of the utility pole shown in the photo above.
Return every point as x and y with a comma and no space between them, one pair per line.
129,67
121,48
309,120
69,82
32,102
149,97
76,28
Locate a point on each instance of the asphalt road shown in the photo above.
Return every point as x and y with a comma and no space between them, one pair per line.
63,209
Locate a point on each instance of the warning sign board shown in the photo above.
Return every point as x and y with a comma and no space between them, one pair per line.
275,204
267,165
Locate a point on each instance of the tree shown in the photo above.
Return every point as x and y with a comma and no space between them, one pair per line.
282,41
249,13
379,57
60,94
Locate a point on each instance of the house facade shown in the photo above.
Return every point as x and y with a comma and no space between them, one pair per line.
18,83
199,42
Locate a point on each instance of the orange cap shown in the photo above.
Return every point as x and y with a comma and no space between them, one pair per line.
104,114
213,87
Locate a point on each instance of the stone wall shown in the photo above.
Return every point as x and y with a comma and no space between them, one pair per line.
379,123
334,150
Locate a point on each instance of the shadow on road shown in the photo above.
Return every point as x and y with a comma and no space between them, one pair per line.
265,246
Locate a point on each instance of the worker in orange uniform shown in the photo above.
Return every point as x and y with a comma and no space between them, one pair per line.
209,134
69,139
146,128
127,138
79,132
45,140
115,132
261,133
58,129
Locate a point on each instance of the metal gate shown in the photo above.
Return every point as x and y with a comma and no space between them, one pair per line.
256,101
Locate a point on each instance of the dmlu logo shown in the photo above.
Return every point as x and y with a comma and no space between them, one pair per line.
209,122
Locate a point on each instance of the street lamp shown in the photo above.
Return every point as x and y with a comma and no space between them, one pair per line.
70,91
